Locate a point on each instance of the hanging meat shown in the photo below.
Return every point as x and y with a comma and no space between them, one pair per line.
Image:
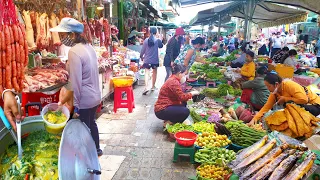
14,41
29,29
86,32
97,28
42,41
91,27
55,36
107,32
33,17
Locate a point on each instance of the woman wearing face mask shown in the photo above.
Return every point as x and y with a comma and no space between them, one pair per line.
285,91
83,64
291,60
248,70
173,50
171,103
188,55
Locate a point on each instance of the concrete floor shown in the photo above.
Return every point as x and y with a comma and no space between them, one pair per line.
147,149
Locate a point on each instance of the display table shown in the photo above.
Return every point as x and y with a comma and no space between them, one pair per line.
304,80
135,47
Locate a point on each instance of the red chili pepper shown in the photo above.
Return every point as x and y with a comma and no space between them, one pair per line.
25,135
26,177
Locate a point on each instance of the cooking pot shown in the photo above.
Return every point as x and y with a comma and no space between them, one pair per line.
81,168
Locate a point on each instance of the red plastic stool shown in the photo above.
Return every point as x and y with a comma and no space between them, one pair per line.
119,102
211,83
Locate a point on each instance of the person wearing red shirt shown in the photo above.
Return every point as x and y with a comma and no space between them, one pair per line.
171,103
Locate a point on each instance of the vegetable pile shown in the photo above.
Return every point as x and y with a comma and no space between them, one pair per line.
232,56
215,155
202,127
39,160
212,171
215,59
207,140
195,116
242,134
222,90
178,127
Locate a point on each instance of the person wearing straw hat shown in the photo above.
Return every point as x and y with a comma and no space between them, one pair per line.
84,74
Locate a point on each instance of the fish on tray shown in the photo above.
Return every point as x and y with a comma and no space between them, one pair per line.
302,169
248,151
258,154
271,166
263,161
285,166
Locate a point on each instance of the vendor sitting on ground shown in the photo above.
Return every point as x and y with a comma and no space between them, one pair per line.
291,60
220,51
255,93
248,70
171,103
281,55
238,63
286,91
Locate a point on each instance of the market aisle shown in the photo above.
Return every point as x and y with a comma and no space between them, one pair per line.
147,150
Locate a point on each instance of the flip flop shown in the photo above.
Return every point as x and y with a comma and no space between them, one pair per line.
145,92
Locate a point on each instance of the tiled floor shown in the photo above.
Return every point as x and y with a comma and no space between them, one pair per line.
148,151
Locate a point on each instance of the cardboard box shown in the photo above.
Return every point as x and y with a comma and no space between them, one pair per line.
313,143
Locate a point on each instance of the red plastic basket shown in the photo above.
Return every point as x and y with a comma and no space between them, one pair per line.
185,138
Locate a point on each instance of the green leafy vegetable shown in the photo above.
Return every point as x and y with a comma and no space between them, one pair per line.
178,127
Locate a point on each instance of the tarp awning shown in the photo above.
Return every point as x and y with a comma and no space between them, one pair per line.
268,14
211,16
311,5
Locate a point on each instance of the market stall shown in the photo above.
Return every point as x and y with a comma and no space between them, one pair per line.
226,147
33,63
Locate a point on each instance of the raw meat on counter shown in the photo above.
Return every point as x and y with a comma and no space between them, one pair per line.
40,78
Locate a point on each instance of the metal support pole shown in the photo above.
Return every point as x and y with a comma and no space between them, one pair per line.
219,26
246,22
120,14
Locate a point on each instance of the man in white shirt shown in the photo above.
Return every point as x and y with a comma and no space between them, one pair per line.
277,44
291,39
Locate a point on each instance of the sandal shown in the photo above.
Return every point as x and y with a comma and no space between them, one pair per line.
145,92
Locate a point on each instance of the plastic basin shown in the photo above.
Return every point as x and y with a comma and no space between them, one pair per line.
54,128
123,81
185,138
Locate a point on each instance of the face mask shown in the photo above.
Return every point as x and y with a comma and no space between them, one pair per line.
180,38
67,41
183,79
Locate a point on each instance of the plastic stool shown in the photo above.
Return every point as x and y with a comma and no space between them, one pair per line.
179,150
211,83
119,102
